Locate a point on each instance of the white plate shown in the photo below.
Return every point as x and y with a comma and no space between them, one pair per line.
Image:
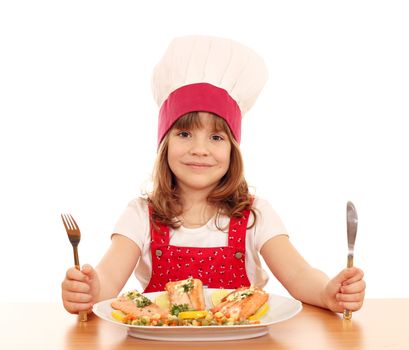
280,309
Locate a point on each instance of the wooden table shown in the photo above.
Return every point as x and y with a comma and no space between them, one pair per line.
381,324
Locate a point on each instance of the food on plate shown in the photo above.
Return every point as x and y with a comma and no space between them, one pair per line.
118,315
163,301
217,296
241,303
137,306
185,295
260,312
182,304
193,314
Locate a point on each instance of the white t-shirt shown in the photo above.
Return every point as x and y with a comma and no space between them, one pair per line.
134,224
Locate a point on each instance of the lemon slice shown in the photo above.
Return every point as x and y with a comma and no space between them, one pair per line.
193,314
218,295
162,300
118,315
259,313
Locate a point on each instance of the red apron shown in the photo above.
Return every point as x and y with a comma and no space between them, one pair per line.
216,267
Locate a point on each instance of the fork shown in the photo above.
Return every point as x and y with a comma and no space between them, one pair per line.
74,235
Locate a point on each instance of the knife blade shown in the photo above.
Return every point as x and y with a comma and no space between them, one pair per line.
352,227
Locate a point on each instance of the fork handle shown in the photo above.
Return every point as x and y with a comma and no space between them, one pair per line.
76,258
350,263
82,316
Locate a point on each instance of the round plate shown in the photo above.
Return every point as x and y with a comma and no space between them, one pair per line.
280,309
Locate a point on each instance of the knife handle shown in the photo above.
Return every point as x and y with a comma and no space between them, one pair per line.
350,263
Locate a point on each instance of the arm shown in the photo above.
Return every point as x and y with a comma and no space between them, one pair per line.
309,285
116,266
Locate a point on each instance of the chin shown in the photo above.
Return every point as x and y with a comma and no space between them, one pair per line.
199,186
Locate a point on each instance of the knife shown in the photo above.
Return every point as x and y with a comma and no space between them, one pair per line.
352,226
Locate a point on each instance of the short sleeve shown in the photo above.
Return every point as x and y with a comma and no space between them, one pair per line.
134,222
268,223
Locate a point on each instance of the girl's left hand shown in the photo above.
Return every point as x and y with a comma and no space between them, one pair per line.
345,291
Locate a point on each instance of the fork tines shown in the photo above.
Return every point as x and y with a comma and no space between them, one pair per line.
72,228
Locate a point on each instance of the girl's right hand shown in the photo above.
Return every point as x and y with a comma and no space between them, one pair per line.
80,289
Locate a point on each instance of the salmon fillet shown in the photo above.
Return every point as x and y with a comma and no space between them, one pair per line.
138,306
189,291
242,303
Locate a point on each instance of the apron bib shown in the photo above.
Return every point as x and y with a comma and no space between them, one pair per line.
216,267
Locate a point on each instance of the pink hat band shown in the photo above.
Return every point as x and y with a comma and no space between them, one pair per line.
201,97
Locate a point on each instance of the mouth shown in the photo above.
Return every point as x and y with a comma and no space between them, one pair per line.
198,165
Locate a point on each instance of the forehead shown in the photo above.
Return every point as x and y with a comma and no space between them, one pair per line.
196,120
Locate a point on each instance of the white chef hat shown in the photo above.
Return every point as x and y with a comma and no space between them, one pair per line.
210,74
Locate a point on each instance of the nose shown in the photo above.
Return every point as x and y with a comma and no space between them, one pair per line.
199,147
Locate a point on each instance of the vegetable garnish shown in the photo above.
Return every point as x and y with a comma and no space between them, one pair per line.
185,286
178,308
260,312
139,299
193,314
118,315
240,295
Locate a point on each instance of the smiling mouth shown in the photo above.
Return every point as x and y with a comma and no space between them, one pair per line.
198,165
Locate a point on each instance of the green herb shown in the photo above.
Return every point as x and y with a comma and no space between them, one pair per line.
246,294
176,308
188,286
132,294
240,295
139,299
142,302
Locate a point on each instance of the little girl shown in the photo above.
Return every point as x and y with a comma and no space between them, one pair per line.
200,219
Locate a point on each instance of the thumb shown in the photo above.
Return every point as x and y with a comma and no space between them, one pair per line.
89,271
344,275
92,280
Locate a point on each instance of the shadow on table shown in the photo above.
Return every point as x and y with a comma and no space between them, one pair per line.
98,334
335,332
260,343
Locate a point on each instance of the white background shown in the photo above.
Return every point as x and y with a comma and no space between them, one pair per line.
78,127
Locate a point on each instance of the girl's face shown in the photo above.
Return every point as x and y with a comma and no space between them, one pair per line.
199,157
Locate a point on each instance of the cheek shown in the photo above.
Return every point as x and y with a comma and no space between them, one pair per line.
173,152
172,157
224,159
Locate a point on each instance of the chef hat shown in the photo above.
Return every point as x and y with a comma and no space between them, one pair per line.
210,74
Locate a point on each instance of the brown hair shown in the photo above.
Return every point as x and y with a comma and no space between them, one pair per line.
231,196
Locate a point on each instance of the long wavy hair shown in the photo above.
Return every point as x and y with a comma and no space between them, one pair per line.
231,196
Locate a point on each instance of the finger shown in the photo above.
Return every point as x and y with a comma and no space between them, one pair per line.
74,308
74,274
344,275
357,275
356,297
76,297
352,306
356,287
348,274
75,286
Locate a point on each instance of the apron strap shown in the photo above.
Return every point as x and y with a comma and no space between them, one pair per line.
160,236
237,232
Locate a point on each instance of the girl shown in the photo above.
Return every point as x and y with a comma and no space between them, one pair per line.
200,219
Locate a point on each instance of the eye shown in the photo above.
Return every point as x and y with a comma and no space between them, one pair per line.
217,137
183,134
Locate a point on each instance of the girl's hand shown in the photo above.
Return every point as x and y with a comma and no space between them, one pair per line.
80,289
345,291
